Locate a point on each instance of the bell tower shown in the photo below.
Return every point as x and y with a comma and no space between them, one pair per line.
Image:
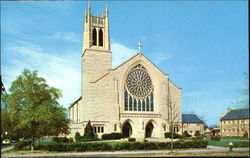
96,55
96,31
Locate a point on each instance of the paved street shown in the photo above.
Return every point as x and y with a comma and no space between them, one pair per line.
7,148
149,153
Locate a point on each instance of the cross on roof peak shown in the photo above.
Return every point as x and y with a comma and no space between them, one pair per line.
139,45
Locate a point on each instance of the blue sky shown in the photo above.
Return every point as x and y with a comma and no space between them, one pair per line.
201,45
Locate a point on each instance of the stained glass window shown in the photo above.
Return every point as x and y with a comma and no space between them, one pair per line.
139,90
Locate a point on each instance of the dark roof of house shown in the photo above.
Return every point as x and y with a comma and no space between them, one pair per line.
191,118
236,114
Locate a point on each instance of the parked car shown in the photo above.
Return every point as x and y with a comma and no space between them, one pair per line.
6,141
13,141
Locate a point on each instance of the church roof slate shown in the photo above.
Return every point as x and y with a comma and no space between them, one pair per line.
236,114
191,118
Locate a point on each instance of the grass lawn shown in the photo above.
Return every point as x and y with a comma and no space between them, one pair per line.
223,143
234,138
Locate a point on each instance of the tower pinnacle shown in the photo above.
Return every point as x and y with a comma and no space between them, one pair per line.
89,10
88,4
107,9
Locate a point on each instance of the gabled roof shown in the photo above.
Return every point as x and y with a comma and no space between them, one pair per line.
191,118
75,102
236,114
139,54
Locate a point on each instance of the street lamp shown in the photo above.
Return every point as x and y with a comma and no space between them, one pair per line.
231,147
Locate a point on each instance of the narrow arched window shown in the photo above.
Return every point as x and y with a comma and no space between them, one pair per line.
147,104
130,101
143,105
100,37
94,38
139,105
152,102
126,100
131,106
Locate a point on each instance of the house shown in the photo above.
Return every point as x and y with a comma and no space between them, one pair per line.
192,124
235,123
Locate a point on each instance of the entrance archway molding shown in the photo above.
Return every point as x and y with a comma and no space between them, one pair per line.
154,129
131,124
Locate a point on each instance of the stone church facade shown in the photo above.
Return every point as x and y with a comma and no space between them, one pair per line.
132,98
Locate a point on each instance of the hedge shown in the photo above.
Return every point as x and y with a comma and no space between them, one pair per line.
131,139
21,144
62,139
175,135
215,138
119,146
111,136
197,133
185,134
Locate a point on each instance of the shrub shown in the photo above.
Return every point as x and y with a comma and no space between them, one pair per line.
60,139
77,136
83,139
21,144
88,132
215,138
200,137
71,140
111,136
197,133
175,135
186,134
131,139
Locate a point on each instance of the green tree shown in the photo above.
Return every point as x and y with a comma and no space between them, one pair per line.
88,132
34,109
5,125
77,136
9,120
244,102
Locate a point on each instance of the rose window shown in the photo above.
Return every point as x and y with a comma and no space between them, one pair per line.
139,83
138,94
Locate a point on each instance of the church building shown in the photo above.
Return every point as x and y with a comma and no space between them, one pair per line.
135,98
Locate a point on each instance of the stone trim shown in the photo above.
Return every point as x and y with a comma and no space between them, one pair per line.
95,48
136,115
96,121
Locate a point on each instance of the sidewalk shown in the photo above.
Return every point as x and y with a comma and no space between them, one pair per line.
7,148
210,149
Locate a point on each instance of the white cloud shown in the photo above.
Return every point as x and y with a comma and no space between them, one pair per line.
121,53
66,36
160,57
62,72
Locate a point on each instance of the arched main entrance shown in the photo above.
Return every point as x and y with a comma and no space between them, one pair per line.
149,130
126,130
